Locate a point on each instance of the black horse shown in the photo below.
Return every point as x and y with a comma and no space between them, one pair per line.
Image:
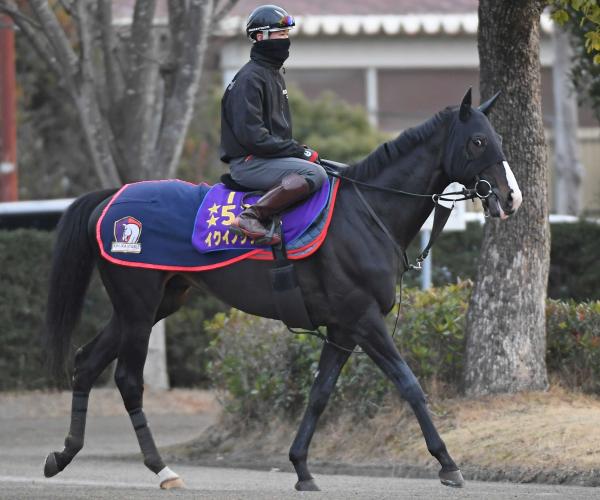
349,283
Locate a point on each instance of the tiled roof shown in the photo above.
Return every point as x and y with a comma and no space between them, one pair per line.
124,8
343,17
362,8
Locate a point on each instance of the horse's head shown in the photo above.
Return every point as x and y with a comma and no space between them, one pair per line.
474,157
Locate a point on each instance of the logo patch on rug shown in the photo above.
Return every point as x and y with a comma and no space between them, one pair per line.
127,231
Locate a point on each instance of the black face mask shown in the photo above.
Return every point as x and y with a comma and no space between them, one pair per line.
274,51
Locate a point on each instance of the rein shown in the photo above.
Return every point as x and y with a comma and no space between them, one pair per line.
440,218
466,193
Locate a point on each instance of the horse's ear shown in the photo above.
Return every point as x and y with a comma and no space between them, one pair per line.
465,107
485,107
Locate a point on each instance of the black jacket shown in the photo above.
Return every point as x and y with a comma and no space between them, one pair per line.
255,114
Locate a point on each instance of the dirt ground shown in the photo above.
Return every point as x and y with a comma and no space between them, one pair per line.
550,437
106,402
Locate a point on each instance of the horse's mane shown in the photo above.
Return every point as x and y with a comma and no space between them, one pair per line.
390,151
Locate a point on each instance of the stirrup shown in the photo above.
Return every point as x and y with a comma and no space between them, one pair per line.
274,230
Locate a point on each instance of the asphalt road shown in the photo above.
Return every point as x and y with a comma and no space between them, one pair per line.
101,471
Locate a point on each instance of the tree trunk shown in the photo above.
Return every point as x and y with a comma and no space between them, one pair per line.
567,167
134,103
506,328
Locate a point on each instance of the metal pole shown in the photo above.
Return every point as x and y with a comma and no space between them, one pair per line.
8,112
372,96
426,271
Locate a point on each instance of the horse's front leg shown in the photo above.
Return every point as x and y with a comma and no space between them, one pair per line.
377,343
330,364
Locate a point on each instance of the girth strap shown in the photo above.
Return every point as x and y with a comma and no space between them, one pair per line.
287,293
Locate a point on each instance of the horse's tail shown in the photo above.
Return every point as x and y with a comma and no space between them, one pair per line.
72,266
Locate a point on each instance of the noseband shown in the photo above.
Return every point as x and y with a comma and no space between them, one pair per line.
482,190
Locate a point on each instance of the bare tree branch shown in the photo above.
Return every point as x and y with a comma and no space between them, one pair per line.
140,89
141,32
11,10
68,9
177,13
114,80
85,42
179,103
222,10
33,32
57,38
98,133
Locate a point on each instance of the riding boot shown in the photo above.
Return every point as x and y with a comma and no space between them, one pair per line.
255,221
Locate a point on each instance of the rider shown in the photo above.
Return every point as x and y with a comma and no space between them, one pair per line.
256,129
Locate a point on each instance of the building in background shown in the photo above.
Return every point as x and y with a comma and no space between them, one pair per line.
402,60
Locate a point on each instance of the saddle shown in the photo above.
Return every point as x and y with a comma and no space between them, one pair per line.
229,183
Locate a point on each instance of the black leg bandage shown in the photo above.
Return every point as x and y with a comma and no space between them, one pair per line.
152,458
74,440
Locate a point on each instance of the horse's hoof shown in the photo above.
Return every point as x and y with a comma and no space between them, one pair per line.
452,478
50,466
308,485
172,484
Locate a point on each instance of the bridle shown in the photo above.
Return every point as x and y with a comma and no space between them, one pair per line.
482,190
466,193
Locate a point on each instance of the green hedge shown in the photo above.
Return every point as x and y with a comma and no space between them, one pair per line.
573,343
187,340
262,369
24,267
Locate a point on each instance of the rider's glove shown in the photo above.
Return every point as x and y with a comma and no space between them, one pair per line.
310,155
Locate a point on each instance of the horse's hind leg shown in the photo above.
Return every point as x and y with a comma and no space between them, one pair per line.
138,308
330,364
376,342
90,361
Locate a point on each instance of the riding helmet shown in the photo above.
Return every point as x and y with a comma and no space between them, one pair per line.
268,18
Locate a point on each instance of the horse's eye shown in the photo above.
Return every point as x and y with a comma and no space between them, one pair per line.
478,142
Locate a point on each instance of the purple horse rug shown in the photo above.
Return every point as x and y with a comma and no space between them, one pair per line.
178,226
221,205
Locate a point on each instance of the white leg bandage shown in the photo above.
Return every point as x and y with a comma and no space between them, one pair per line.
166,474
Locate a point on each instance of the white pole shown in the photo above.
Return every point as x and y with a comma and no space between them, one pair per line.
155,369
372,95
567,166
426,272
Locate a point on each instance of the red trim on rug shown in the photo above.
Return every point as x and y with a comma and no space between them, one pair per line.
256,254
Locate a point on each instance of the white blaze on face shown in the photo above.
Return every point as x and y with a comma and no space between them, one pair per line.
512,184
